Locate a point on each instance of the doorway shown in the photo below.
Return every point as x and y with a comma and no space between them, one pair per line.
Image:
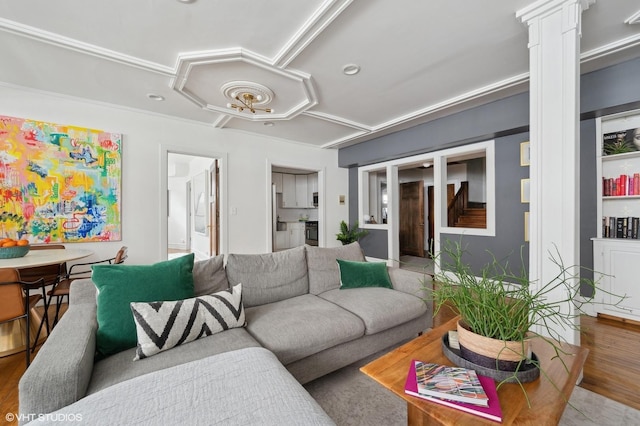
295,206
193,205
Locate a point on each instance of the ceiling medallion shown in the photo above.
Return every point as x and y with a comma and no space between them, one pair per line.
249,96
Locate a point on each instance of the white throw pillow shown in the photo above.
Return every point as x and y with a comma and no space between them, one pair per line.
164,325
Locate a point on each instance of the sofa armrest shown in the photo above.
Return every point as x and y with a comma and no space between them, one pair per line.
60,373
415,283
83,291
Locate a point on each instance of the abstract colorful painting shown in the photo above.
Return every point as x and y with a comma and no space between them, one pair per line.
59,183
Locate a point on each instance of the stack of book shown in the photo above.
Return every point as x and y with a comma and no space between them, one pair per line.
454,387
620,227
622,185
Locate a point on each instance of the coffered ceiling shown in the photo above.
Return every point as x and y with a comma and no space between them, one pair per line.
416,60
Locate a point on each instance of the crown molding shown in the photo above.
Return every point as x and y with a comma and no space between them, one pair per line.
316,23
610,49
82,47
633,19
338,120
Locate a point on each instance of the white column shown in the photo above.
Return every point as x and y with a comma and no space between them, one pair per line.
554,55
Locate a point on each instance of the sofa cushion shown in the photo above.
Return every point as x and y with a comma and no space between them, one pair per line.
121,367
244,387
363,274
209,276
378,308
271,277
323,269
119,285
301,326
165,325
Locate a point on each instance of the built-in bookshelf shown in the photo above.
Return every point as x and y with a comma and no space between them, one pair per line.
616,249
618,156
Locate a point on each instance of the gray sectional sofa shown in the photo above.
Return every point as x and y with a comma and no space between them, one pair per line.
296,314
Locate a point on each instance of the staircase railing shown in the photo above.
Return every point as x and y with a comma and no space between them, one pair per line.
458,204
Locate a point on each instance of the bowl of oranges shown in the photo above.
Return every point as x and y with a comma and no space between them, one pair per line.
10,248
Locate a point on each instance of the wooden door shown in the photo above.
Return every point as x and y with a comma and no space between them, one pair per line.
430,219
451,194
412,218
214,212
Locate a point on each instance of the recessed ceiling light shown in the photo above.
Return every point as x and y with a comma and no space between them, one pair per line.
269,123
186,1
155,97
351,69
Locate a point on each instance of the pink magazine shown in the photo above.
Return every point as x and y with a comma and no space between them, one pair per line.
492,412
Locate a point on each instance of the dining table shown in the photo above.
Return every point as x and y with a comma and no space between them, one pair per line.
11,333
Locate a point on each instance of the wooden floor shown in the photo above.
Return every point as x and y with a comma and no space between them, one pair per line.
612,368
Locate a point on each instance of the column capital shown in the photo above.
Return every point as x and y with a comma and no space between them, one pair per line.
544,7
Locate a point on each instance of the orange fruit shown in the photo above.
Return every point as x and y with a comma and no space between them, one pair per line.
9,244
5,240
23,242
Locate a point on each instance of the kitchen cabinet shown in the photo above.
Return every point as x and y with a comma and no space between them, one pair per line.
302,197
282,240
276,179
312,187
297,191
296,234
288,191
618,259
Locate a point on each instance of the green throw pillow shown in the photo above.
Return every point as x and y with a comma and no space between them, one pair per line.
119,285
363,274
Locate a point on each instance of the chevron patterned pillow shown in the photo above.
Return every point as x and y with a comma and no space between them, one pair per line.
164,325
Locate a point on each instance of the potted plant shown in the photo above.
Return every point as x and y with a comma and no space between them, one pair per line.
501,306
349,235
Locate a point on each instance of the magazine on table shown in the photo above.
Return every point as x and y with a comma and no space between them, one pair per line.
453,383
492,411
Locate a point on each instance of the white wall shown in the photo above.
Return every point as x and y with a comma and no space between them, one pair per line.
249,163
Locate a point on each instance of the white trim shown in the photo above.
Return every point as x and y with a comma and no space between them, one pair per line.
315,25
82,47
490,173
439,159
322,216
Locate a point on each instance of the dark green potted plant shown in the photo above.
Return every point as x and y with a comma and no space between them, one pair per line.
349,235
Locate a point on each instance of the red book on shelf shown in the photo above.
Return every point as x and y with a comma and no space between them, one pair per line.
610,187
630,188
623,185
636,183
492,412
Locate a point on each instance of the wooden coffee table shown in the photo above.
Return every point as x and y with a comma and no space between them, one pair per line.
548,396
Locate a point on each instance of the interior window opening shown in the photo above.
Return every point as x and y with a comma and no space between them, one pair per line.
417,199
466,192
376,210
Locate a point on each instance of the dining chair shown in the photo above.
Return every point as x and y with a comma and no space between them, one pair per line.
51,275
16,302
78,271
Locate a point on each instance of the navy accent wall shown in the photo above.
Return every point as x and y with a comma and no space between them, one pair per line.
607,91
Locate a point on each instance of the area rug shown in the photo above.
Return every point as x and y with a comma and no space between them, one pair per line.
351,398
